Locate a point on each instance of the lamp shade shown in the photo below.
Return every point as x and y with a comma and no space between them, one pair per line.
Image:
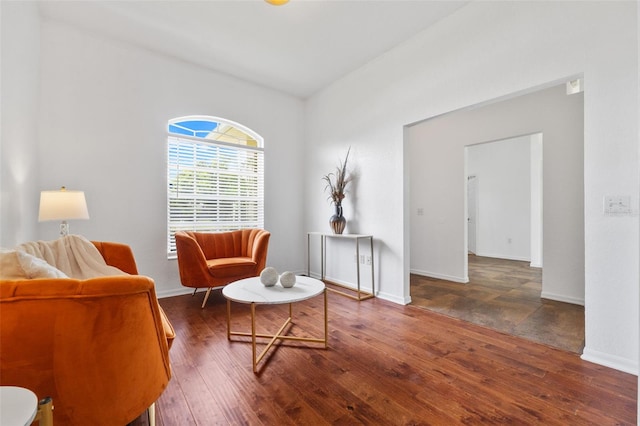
62,205
277,2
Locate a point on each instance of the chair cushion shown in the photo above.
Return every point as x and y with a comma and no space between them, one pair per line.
231,267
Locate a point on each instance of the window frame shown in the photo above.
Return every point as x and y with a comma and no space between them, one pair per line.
236,177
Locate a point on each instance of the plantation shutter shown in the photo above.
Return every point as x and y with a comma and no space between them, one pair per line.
213,186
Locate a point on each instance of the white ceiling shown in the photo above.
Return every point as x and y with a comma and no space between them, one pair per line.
298,48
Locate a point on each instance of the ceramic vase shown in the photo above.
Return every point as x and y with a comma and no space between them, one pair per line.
337,221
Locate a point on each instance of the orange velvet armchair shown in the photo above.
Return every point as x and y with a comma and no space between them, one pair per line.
209,260
99,347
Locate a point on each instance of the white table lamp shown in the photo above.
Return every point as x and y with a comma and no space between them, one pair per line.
62,205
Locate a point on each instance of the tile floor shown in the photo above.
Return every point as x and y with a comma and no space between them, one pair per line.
504,295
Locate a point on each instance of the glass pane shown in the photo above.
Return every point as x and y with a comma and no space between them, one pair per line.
212,130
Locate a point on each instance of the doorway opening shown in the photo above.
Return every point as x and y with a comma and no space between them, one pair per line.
437,152
504,198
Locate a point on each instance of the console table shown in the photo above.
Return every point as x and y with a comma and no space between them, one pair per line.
360,295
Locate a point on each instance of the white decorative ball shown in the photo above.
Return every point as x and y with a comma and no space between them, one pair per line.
269,276
287,279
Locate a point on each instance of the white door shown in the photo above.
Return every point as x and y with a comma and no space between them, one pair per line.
472,212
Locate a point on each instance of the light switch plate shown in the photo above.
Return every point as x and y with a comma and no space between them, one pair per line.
617,204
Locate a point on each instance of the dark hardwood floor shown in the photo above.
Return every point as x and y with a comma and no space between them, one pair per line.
386,364
504,295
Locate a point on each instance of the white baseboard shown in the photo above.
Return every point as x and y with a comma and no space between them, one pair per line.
352,286
312,274
612,361
440,276
174,292
562,298
394,299
379,294
535,265
504,256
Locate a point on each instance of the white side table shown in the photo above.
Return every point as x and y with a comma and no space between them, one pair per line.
360,295
18,406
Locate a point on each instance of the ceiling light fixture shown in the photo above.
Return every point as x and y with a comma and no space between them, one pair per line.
277,2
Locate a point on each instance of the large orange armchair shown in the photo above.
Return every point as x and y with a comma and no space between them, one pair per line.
209,260
99,347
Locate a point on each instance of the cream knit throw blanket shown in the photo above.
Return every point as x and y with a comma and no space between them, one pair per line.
74,255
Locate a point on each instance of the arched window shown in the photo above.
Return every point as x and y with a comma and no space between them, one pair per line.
215,181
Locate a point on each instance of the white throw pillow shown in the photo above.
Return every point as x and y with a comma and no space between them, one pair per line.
34,267
10,268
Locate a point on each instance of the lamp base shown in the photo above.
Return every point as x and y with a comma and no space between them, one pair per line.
64,229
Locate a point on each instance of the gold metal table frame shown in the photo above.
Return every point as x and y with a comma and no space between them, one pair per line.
359,294
281,334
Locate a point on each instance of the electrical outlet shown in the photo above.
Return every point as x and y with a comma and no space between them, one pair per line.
362,259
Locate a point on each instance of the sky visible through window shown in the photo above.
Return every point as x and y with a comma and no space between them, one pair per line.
195,128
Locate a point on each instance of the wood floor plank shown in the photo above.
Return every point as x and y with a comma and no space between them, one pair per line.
539,372
398,364
386,364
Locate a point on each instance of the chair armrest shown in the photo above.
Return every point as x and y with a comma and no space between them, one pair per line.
169,332
192,263
99,342
121,256
260,248
118,255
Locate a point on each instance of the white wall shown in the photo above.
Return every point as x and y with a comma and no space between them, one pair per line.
438,181
104,107
485,51
638,120
503,171
537,227
19,86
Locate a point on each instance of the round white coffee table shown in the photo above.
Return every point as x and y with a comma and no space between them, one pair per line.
252,291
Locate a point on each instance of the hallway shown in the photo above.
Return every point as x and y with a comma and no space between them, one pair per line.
504,295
